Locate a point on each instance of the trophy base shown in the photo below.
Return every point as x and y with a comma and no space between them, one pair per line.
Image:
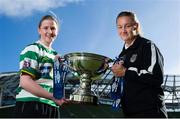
84,98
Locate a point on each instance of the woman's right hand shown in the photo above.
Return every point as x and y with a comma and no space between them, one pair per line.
60,101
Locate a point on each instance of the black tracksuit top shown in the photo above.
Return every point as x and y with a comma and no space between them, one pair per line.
143,77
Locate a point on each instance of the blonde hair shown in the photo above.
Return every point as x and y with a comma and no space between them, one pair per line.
133,17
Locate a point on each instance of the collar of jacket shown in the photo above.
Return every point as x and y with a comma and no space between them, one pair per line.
135,44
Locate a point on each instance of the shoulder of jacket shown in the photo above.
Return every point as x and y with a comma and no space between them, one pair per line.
146,41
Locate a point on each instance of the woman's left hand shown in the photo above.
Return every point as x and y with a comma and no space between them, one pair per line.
118,69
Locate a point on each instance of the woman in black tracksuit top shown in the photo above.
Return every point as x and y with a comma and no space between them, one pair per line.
142,71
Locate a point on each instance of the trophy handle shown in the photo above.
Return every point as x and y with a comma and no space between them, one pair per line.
103,68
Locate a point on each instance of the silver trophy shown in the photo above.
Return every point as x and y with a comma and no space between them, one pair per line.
89,67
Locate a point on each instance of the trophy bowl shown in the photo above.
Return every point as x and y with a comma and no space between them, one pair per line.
88,67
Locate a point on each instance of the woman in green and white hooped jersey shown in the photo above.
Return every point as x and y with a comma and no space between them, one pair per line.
35,98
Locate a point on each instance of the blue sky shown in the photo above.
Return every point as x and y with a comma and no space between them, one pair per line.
88,26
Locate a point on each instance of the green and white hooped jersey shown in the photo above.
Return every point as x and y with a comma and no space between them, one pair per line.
37,61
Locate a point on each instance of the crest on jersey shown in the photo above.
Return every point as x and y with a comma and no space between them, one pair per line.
133,58
26,64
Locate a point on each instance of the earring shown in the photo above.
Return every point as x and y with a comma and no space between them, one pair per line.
134,32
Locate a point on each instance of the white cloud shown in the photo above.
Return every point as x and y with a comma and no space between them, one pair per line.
27,7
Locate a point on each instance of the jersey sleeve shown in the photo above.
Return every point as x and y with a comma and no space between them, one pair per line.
29,61
151,67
